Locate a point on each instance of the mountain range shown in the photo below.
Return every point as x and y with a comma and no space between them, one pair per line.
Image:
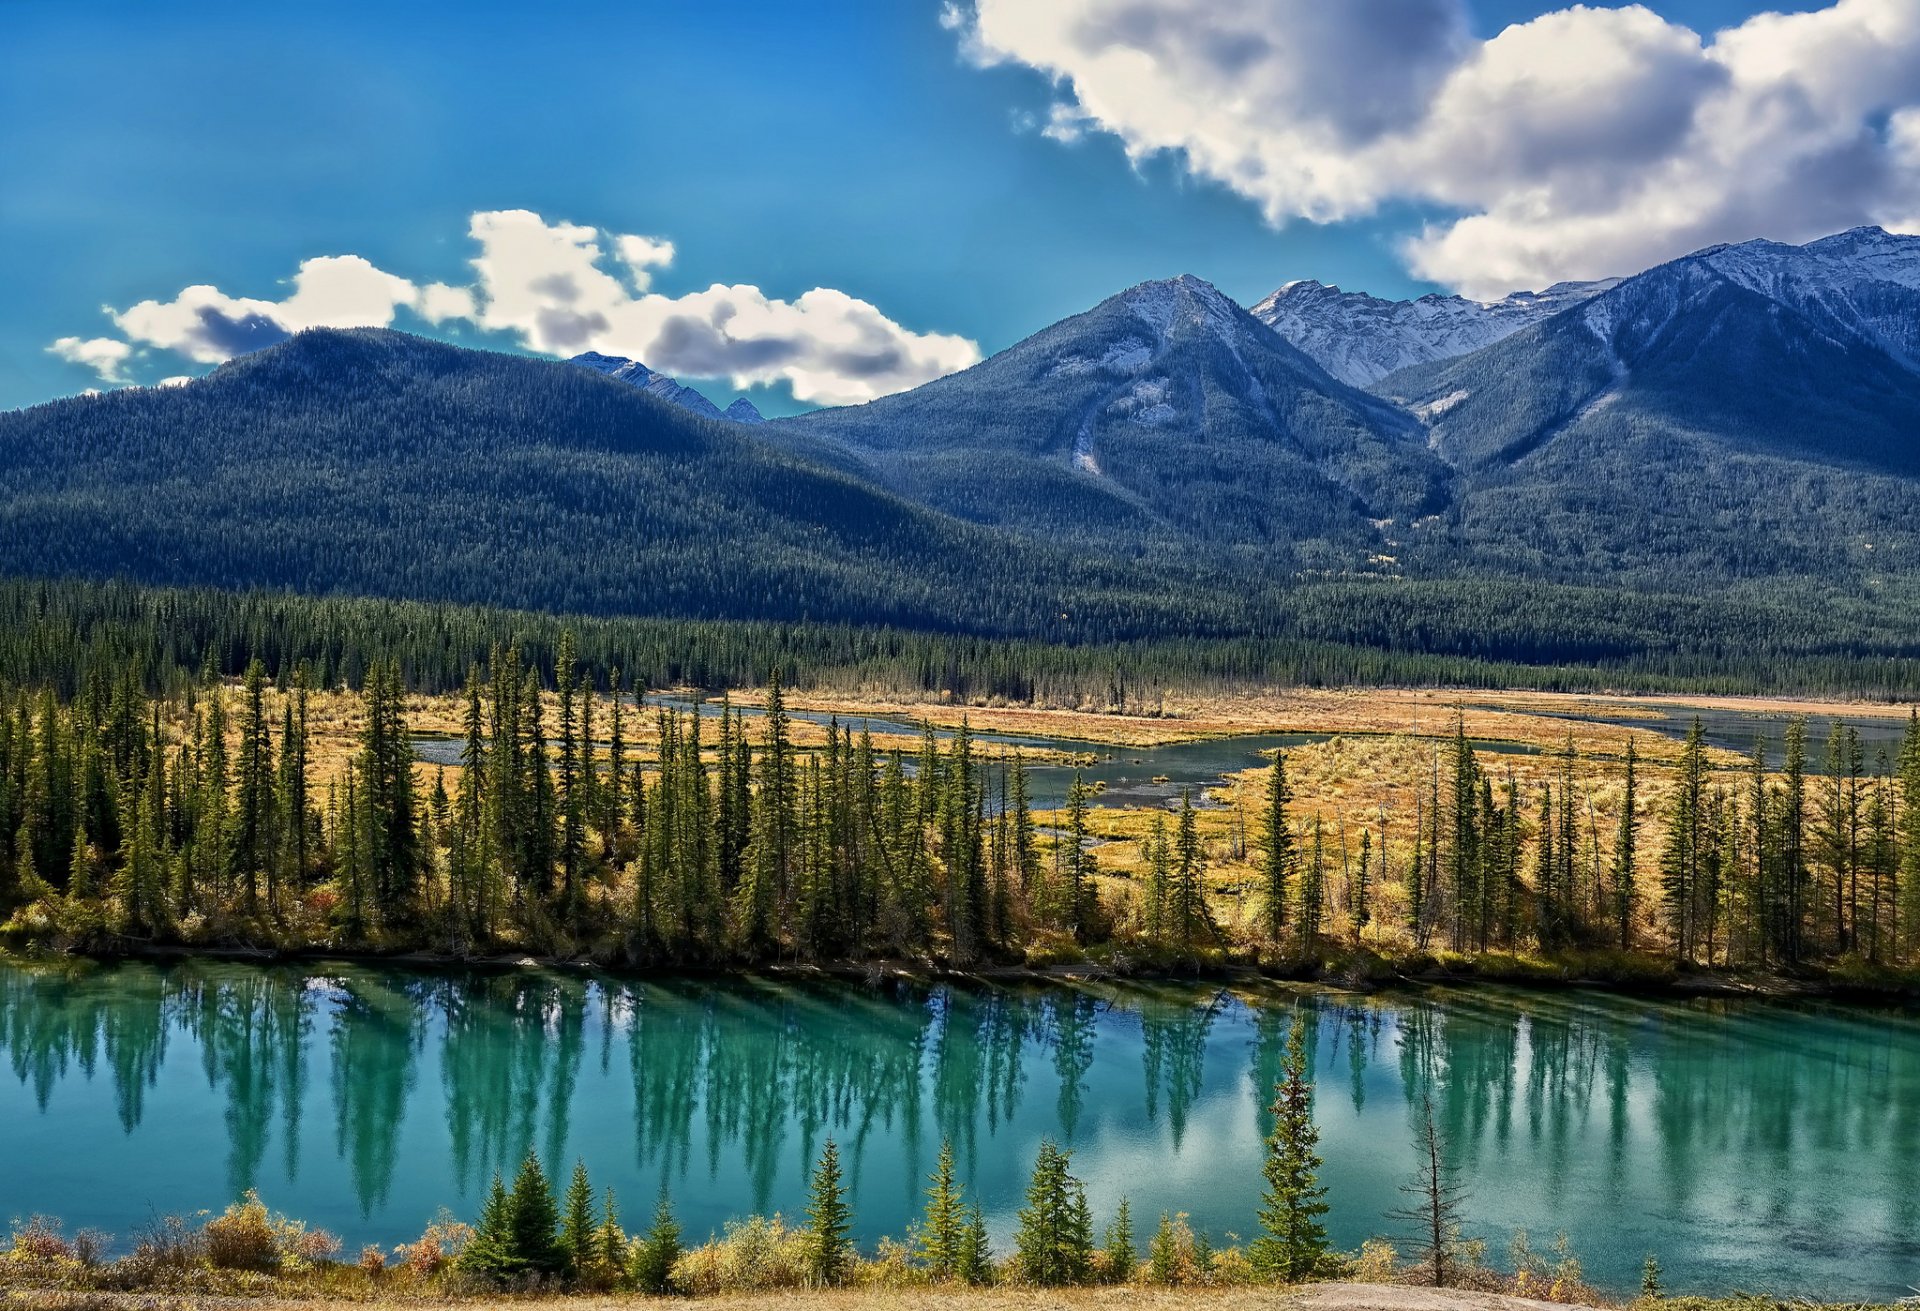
1739,424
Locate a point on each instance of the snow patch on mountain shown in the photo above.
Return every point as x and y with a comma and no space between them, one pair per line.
1360,339
667,389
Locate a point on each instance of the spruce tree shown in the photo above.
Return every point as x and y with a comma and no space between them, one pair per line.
489,1252
976,1254
1277,857
1292,1244
533,1219
578,1231
658,1249
828,1246
943,1230
1118,1248
1054,1241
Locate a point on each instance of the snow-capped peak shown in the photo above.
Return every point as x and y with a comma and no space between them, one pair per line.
1360,339
667,389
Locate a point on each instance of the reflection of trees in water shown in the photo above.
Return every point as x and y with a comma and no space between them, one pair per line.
53,1017
251,1026
376,1032
744,1078
1072,1018
976,1043
1173,1047
510,1046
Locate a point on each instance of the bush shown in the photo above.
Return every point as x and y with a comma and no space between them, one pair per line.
753,1255
166,1249
39,1239
437,1249
247,1237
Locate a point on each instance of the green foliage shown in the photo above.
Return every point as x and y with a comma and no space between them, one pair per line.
579,1238
943,1229
1117,1249
533,1219
1054,1241
653,1258
1292,1245
830,1252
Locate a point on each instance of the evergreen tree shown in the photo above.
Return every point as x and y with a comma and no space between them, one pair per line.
1277,856
976,1254
532,1222
658,1249
489,1253
943,1230
829,1249
578,1231
1292,1244
1054,1241
1118,1249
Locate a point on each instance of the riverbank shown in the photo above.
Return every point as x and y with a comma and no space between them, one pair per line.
1356,970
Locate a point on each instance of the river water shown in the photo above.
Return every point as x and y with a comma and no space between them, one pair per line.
1751,1145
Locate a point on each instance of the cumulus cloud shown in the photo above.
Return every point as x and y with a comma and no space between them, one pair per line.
106,356
1585,142
561,288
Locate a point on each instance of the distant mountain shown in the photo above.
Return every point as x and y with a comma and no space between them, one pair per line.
1166,412
373,462
1360,339
1745,411
667,389
1741,424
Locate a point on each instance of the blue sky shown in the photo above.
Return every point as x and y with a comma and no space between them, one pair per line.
851,146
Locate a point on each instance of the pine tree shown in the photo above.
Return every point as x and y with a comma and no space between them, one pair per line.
976,1254
489,1252
658,1249
1293,1241
533,1220
829,1249
1278,857
1118,1247
943,1230
1054,1240
578,1231
1624,852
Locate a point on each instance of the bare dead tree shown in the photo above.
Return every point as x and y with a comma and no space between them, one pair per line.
1437,1200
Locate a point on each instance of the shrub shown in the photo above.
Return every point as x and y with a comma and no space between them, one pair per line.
753,1255
246,1236
437,1249
373,1259
38,1239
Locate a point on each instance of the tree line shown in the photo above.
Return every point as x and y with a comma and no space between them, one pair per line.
134,818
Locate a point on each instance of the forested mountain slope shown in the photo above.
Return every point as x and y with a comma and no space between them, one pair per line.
1747,412
1165,414
1740,424
377,463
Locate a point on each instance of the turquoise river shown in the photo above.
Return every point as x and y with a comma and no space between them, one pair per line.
1751,1145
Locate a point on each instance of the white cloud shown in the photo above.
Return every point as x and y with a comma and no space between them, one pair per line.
547,283
551,287
1585,142
106,356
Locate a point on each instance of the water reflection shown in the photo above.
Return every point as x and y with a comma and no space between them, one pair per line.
1751,1145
